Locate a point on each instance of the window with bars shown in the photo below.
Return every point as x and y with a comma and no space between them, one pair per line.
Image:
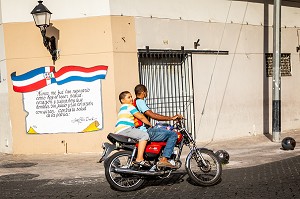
168,78
285,64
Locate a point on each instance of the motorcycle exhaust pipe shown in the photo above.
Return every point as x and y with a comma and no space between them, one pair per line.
130,171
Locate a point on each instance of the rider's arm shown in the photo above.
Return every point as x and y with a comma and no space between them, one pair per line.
141,117
141,105
159,117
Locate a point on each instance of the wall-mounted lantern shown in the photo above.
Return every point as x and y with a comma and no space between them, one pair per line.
41,16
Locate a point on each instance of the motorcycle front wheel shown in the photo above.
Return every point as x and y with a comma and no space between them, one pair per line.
205,171
121,182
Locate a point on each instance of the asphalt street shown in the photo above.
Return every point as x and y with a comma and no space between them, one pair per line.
280,179
257,168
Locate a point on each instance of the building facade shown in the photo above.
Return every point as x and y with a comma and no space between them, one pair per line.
232,93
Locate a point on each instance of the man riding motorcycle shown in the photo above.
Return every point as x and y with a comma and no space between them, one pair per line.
156,134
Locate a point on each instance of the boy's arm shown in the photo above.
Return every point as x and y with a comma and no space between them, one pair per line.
141,105
159,117
141,117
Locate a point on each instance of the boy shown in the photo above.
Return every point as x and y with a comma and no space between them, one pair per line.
157,134
125,125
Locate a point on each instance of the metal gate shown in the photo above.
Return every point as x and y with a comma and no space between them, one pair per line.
168,77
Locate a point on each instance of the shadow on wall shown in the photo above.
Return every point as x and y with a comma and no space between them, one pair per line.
52,31
52,35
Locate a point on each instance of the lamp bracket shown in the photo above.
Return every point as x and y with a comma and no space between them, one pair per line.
49,43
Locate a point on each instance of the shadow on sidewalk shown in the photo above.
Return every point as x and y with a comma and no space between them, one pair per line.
269,136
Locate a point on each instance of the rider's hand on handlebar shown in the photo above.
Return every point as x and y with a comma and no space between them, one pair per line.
177,117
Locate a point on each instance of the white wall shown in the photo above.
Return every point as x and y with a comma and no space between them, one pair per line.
203,10
0,13
3,77
5,129
2,49
3,73
19,10
194,10
5,125
232,89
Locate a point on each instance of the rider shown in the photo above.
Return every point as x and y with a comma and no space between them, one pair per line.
157,134
125,125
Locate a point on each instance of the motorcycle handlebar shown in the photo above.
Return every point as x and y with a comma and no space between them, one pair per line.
179,121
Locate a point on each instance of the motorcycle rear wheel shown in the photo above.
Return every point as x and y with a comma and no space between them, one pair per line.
204,175
121,182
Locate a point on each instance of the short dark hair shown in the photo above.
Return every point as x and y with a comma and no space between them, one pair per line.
139,89
122,95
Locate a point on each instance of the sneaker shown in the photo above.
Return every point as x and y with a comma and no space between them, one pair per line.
142,163
166,164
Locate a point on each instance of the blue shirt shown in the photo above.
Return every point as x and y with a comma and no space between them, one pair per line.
142,107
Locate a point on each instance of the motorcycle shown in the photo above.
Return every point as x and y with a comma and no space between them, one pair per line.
202,165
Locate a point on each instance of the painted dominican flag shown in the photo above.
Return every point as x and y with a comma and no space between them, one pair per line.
43,76
33,80
66,101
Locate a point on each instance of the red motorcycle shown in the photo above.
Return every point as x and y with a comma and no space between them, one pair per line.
201,164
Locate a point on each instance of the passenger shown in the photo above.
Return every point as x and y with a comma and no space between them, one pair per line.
125,125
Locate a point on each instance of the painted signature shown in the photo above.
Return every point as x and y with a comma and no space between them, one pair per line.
83,119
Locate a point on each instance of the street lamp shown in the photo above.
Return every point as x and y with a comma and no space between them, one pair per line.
41,16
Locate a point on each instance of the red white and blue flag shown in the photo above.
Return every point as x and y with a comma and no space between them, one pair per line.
43,76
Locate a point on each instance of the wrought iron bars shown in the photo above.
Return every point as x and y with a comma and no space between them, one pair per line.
168,77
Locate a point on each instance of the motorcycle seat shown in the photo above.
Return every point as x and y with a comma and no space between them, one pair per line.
120,138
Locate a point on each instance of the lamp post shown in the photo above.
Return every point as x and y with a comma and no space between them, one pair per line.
41,16
276,86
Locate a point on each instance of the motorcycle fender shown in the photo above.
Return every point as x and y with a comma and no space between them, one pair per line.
190,155
187,158
107,149
205,149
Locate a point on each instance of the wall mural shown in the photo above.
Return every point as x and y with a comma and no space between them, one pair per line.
66,101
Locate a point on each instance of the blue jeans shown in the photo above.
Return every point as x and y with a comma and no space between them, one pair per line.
161,135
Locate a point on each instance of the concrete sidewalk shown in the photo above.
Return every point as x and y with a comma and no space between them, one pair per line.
244,152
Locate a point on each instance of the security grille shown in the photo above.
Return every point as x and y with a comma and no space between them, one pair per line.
285,64
168,78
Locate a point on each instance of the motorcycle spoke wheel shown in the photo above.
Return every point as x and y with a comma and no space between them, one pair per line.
205,174
121,182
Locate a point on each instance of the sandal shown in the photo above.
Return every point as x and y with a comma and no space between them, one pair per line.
142,163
